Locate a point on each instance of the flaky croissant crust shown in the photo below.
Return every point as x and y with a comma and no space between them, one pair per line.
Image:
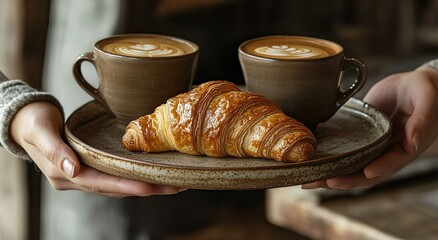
218,120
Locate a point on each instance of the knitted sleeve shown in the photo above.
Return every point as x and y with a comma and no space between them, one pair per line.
15,94
432,64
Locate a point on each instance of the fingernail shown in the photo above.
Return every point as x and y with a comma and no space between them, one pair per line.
168,190
68,167
379,174
416,140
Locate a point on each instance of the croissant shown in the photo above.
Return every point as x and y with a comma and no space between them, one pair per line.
218,120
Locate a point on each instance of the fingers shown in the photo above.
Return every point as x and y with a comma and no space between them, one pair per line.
98,182
38,127
89,179
352,181
94,181
86,178
376,172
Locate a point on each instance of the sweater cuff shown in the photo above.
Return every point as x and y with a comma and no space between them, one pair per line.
16,94
432,64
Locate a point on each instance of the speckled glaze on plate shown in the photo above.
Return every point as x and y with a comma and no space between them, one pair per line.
347,142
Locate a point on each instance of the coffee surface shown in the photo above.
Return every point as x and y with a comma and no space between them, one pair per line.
145,47
290,48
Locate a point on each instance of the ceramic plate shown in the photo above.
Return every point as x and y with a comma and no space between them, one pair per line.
354,136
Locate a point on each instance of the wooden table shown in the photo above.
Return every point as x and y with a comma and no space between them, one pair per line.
405,207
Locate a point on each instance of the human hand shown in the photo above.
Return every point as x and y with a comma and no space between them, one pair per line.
38,128
410,99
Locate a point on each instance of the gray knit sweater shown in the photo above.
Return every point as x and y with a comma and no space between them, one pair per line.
14,94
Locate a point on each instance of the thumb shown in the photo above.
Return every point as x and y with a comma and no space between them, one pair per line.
414,130
37,127
46,136
419,122
50,144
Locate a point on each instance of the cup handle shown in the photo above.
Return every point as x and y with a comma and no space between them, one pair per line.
79,77
358,83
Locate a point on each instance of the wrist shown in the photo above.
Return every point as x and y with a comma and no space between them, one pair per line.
15,95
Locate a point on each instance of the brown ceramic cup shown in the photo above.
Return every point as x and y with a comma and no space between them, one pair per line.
138,72
302,75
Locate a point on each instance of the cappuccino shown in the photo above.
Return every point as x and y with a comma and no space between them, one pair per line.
146,46
303,75
138,72
290,47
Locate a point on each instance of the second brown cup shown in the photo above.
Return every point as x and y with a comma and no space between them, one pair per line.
301,74
138,72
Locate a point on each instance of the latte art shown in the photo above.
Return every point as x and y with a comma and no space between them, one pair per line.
286,51
144,50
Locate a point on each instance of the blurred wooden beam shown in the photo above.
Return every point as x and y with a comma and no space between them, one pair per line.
35,24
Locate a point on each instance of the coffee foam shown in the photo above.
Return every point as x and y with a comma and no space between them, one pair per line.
291,51
290,48
145,47
146,50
